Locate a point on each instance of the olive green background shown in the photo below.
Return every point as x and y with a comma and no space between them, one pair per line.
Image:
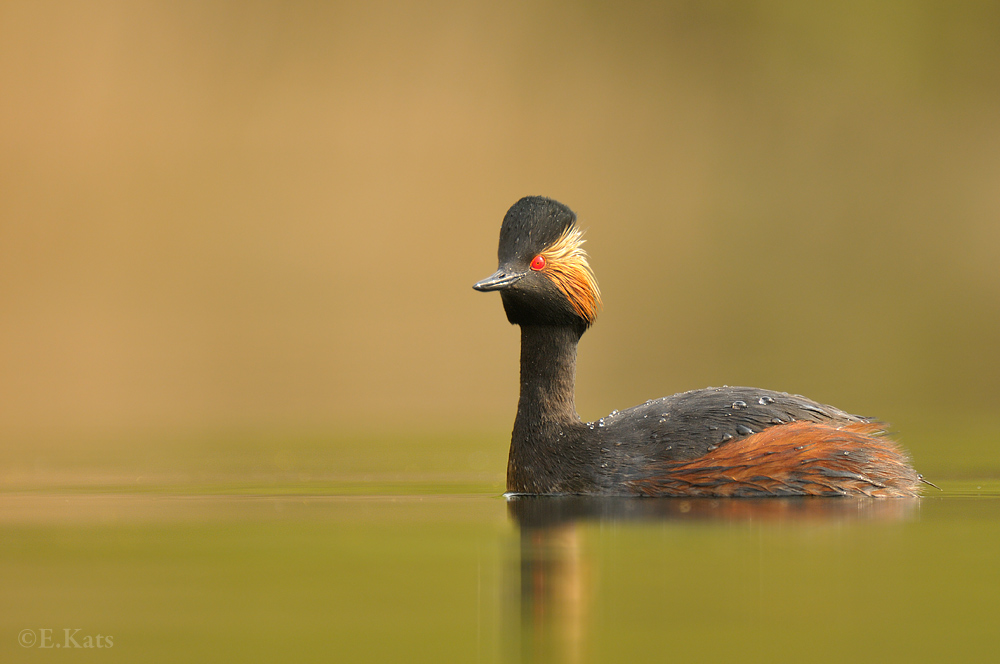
251,408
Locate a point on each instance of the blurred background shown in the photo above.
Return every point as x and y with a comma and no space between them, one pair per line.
242,235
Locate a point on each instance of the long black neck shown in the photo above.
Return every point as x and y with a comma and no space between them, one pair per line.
546,422
548,372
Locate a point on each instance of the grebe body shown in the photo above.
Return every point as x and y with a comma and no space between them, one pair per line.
726,441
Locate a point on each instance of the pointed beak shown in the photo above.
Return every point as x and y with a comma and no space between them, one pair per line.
498,281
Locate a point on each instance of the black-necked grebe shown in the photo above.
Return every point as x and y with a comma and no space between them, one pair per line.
727,441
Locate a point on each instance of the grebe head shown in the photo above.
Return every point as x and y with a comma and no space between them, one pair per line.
544,277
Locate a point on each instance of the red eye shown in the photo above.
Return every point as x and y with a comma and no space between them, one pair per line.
538,262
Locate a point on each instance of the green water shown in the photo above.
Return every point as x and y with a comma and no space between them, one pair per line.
415,571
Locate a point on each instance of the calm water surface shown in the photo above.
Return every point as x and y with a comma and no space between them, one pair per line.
430,575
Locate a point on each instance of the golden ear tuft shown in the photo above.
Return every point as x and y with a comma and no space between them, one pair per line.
567,266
